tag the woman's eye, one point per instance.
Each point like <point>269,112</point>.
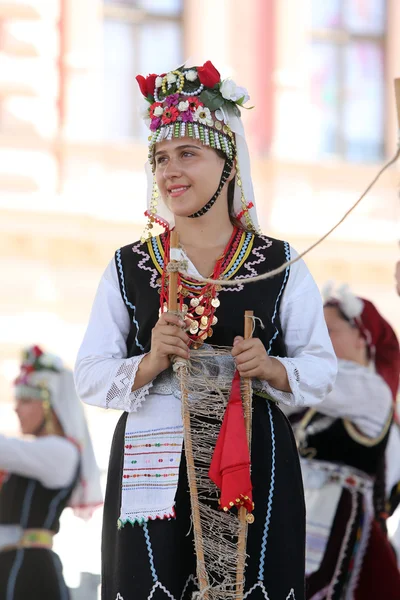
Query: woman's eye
<point>161,160</point>
<point>187,154</point>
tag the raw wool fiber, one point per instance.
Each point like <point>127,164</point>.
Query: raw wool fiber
<point>206,382</point>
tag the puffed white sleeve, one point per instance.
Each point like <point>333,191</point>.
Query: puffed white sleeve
<point>52,460</point>
<point>360,395</point>
<point>310,363</point>
<point>104,376</point>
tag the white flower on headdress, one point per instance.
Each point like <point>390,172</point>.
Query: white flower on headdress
<point>145,110</point>
<point>349,303</point>
<point>171,77</point>
<point>191,75</point>
<point>202,115</point>
<point>231,91</point>
<point>183,106</point>
<point>221,116</point>
<point>51,361</point>
<point>159,82</point>
<point>158,111</point>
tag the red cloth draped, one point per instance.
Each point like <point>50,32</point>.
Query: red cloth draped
<point>230,465</point>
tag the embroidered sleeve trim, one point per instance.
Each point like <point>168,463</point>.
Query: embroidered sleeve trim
<point>120,395</point>
<point>295,397</point>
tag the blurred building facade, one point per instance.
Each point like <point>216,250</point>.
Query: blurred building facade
<point>72,146</point>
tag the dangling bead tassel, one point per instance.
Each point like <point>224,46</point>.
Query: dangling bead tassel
<point>151,212</point>
<point>245,209</point>
<point>48,417</point>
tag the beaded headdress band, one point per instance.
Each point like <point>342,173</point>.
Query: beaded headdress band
<point>193,102</point>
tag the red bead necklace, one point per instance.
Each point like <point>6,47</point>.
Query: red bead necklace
<point>197,302</point>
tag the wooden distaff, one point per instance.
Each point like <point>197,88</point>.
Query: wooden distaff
<point>244,516</point>
<point>198,534</point>
<point>397,94</point>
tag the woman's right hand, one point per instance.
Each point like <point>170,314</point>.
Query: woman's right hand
<point>168,339</point>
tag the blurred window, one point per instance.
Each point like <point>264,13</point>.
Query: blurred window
<point>140,36</point>
<point>347,63</point>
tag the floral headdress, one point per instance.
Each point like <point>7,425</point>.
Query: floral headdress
<point>35,360</point>
<point>194,102</point>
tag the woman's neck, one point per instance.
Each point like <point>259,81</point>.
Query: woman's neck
<point>209,231</point>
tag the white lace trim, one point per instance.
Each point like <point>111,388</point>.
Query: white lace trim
<point>120,395</point>
<point>293,398</point>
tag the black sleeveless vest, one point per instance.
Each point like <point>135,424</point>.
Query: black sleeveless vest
<point>26,502</point>
<point>139,267</point>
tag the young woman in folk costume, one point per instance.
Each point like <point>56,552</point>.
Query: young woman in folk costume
<point>53,468</point>
<point>199,181</point>
<point>343,447</point>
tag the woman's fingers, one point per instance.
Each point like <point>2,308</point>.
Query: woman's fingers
<point>247,356</point>
<point>170,319</point>
<point>247,366</point>
<point>173,349</point>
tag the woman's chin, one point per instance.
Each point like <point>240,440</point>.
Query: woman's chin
<point>184,209</point>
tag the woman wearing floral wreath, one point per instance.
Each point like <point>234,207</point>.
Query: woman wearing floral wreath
<point>51,468</point>
<point>200,183</point>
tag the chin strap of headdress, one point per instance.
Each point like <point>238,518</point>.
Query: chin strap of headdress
<point>227,170</point>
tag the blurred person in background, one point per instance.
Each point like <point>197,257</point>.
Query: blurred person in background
<point>350,452</point>
<point>199,178</point>
<point>51,467</point>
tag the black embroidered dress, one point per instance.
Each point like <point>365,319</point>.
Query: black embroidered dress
<point>153,558</point>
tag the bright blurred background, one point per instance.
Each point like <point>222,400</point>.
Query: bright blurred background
<point>72,148</point>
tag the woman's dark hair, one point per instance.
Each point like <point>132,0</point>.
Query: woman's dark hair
<point>342,315</point>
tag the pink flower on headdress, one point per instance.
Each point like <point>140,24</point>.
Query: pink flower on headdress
<point>170,115</point>
<point>187,116</point>
<point>155,124</point>
<point>172,100</point>
<point>194,103</point>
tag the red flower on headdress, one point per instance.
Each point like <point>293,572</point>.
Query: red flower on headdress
<point>208,74</point>
<point>170,115</point>
<point>194,103</point>
<point>147,84</point>
<point>153,108</point>
<point>37,351</point>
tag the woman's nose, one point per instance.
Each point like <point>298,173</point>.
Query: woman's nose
<point>172,169</point>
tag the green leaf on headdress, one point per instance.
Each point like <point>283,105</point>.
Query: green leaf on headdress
<point>235,108</point>
<point>212,99</point>
<point>191,86</point>
<point>240,103</point>
<point>150,99</point>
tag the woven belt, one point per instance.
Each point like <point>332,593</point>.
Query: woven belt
<point>32,538</point>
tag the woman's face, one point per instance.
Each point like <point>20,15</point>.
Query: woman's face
<point>187,174</point>
<point>347,341</point>
<point>30,414</point>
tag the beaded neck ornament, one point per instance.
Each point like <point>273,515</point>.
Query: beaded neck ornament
<point>194,102</point>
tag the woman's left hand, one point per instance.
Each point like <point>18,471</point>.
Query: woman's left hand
<point>252,359</point>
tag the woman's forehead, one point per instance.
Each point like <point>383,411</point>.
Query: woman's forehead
<point>177,143</point>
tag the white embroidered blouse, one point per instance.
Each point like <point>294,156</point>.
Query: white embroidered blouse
<point>104,376</point>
